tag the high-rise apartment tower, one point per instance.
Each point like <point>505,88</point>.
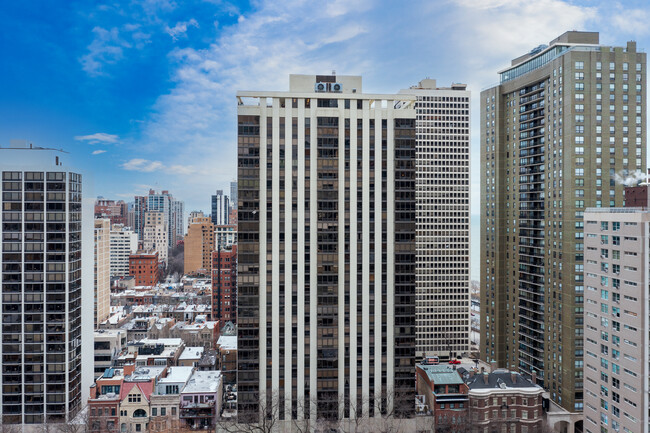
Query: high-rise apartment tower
<point>442,304</point>
<point>326,254</point>
<point>220,208</point>
<point>47,281</point>
<point>564,121</point>
<point>617,329</point>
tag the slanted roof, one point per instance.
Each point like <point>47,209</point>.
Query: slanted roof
<point>146,388</point>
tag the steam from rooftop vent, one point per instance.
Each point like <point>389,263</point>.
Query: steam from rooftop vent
<point>630,179</point>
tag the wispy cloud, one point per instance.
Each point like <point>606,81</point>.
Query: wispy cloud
<point>107,47</point>
<point>148,166</point>
<point>142,165</point>
<point>98,152</point>
<point>180,29</point>
<point>98,137</point>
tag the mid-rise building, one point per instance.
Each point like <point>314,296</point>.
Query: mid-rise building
<point>144,266</point>
<point>442,312</point>
<point>156,234</point>
<point>326,250</point>
<point>224,284</point>
<point>617,330</point>
<point>225,236</point>
<point>115,211</point>
<point>220,208</point>
<point>199,244</point>
<point>233,195</point>
<point>563,122</point>
<point>123,243</point>
<point>102,270</point>
<point>47,265</point>
<point>139,208</point>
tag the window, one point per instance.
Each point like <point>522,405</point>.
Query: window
<point>154,411</point>
<point>580,65</point>
<point>163,411</point>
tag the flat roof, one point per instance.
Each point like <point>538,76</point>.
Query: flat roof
<point>203,382</point>
<point>177,375</point>
<point>228,342</point>
<point>442,374</point>
<point>191,353</point>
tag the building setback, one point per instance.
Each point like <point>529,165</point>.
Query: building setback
<point>47,264</point>
<point>563,122</point>
<point>442,304</point>
<point>326,250</point>
<point>617,330</point>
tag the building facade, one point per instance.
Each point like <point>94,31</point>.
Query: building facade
<point>220,208</point>
<point>123,243</point>
<point>224,284</point>
<point>616,319</point>
<point>442,219</point>
<point>199,244</point>
<point>564,121</point>
<point>144,266</point>
<point>139,208</point>
<point>46,282</point>
<point>326,251</point>
<point>115,211</point>
<point>233,195</point>
<point>102,270</point>
<point>156,232</point>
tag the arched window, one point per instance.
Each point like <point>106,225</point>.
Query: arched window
<point>139,413</point>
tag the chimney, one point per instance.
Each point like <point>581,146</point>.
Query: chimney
<point>513,377</point>
<point>534,377</point>
<point>493,366</point>
<point>93,391</point>
<point>129,369</point>
<point>471,372</point>
<point>486,378</point>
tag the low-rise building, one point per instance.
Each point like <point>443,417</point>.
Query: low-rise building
<point>504,400</point>
<point>108,345</point>
<point>200,403</point>
<point>165,400</point>
<point>445,395</point>
<point>227,346</point>
<point>191,356</point>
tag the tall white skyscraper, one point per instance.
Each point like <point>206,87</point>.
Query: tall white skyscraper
<point>47,281</point>
<point>326,282</point>
<point>220,208</point>
<point>442,305</point>
<point>233,195</point>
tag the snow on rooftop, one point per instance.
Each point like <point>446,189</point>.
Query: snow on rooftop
<point>227,342</point>
<point>177,375</point>
<point>203,382</point>
<point>191,353</point>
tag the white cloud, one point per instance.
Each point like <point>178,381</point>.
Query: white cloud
<point>142,165</point>
<point>107,47</point>
<point>180,29</point>
<point>98,152</point>
<point>99,137</point>
<point>632,21</point>
<point>148,166</point>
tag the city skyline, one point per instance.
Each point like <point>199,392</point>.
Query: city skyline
<point>163,75</point>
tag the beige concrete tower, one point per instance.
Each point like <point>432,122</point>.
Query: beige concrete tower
<point>102,270</point>
<point>564,121</point>
<point>199,244</point>
<point>156,234</point>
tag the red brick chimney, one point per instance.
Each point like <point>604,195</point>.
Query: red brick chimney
<point>93,391</point>
<point>129,369</point>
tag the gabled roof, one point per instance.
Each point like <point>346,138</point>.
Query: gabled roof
<point>145,388</point>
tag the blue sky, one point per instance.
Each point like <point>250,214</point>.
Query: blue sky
<point>141,93</point>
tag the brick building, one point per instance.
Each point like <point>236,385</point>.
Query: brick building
<point>145,268</point>
<point>116,211</point>
<point>224,284</point>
